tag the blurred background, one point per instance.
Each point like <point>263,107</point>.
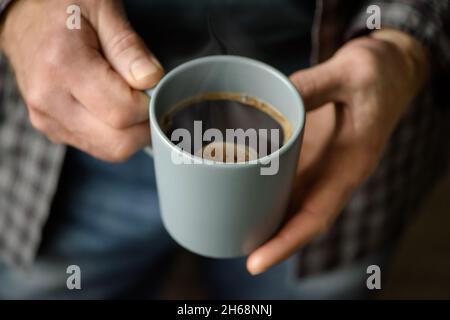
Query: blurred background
<point>421,264</point>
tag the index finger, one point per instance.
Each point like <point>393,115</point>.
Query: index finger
<point>105,94</point>
<point>319,84</point>
<point>319,209</point>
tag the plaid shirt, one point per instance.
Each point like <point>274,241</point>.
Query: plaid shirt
<point>415,158</point>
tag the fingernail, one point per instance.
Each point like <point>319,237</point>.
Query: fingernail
<point>254,266</point>
<point>254,273</point>
<point>143,68</point>
<point>156,62</point>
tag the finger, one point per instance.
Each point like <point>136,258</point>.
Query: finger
<point>89,134</point>
<point>124,49</point>
<point>106,143</point>
<point>318,85</point>
<point>319,133</point>
<point>48,126</point>
<point>319,208</point>
<point>104,92</point>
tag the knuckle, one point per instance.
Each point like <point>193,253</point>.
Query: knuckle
<point>55,139</point>
<point>320,222</point>
<point>35,99</point>
<point>39,122</point>
<point>123,41</point>
<point>364,65</point>
<point>119,119</point>
<point>55,55</point>
<point>122,150</point>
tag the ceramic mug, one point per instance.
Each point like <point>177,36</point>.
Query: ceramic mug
<point>224,210</point>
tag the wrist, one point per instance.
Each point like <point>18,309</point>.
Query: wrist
<point>412,51</point>
<point>4,9</point>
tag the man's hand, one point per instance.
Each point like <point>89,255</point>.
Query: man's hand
<point>82,87</point>
<point>355,101</point>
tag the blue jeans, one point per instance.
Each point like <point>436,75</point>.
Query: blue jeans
<point>105,219</point>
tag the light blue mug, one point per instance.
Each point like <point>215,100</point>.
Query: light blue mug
<point>224,210</point>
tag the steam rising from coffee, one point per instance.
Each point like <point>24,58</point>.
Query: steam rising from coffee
<point>229,32</point>
<point>214,37</point>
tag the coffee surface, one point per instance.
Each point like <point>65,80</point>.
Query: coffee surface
<point>224,111</point>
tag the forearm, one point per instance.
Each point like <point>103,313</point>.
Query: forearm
<point>427,21</point>
<point>4,4</point>
<point>416,55</point>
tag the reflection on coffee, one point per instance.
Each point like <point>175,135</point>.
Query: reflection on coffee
<point>227,152</point>
<point>235,127</point>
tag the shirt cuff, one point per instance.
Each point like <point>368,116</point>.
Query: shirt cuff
<point>427,21</point>
<point>3,5</point>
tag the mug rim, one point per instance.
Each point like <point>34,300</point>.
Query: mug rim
<point>230,58</point>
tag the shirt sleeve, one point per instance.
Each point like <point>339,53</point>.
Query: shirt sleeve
<point>426,20</point>
<point>3,5</point>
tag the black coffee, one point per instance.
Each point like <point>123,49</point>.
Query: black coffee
<point>245,128</point>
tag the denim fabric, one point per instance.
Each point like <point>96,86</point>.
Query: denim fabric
<point>106,221</point>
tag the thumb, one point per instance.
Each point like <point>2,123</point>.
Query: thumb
<point>124,49</point>
<point>319,85</point>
